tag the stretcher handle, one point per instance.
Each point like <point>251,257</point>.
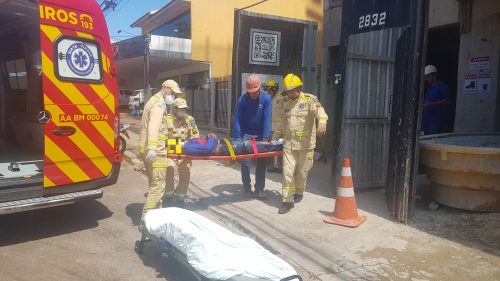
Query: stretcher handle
<point>254,147</point>
<point>293,277</point>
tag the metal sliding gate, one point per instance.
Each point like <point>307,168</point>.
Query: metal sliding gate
<point>377,112</point>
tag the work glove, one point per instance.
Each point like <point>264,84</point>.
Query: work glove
<point>151,156</point>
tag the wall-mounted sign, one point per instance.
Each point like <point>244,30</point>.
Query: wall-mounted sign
<point>360,16</point>
<point>480,63</point>
<point>470,83</point>
<point>264,47</point>
<point>484,83</point>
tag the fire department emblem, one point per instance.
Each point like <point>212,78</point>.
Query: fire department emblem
<point>80,59</point>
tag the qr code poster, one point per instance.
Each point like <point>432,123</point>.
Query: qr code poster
<point>265,47</point>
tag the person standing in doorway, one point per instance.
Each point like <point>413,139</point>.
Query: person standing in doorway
<point>436,102</point>
<point>253,120</point>
<point>303,119</point>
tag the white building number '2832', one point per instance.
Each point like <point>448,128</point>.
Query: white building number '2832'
<point>372,20</point>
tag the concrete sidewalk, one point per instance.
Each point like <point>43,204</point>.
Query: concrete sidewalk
<point>447,244</point>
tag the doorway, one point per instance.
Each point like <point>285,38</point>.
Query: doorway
<point>443,46</point>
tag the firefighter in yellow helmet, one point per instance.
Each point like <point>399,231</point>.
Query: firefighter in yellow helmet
<point>303,119</point>
<point>152,142</point>
<point>180,127</point>
<point>272,88</point>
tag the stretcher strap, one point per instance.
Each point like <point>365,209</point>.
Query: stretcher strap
<point>254,147</point>
<point>230,148</point>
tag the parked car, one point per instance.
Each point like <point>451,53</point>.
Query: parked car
<point>136,100</point>
<point>125,97</point>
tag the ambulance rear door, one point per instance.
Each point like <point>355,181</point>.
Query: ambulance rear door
<point>79,95</point>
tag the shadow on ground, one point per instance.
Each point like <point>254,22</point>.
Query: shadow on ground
<point>233,193</point>
<point>44,223</point>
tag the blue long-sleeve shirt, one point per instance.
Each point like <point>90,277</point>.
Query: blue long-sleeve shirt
<point>253,117</point>
<point>201,147</point>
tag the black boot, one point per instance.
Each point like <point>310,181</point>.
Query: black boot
<point>285,207</point>
<point>297,197</point>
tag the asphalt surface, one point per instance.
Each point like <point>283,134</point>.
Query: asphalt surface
<point>91,240</point>
<point>94,240</point>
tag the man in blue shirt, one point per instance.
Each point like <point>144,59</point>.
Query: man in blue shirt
<point>252,120</point>
<point>436,101</point>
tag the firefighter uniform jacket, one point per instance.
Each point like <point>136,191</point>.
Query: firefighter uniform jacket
<point>300,117</point>
<point>152,125</point>
<point>277,112</point>
<point>179,130</point>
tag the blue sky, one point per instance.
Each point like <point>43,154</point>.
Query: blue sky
<point>126,13</point>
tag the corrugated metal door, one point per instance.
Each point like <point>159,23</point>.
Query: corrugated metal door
<point>369,80</point>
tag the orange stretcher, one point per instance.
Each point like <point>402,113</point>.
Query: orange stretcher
<point>231,156</point>
<point>226,157</point>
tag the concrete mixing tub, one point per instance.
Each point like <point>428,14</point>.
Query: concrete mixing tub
<point>464,169</point>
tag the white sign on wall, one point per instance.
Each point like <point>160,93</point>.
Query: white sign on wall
<point>484,83</point>
<point>480,63</point>
<point>470,83</point>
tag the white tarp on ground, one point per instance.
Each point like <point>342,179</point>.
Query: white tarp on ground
<point>212,250</point>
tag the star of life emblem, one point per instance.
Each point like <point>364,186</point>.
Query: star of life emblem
<point>80,59</point>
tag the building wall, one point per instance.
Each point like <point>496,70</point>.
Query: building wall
<point>442,12</point>
<point>480,112</point>
<point>213,25</point>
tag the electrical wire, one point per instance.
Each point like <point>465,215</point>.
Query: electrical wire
<point>121,7</point>
<point>250,6</point>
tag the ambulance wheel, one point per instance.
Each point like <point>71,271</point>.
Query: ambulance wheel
<point>138,247</point>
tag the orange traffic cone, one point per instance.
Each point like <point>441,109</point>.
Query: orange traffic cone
<point>346,210</point>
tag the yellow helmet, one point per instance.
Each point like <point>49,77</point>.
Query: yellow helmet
<point>291,81</point>
<point>271,83</point>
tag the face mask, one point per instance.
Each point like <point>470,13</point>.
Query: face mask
<point>169,99</point>
<point>180,113</point>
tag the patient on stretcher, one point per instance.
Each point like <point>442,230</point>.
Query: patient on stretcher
<point>211,145</point>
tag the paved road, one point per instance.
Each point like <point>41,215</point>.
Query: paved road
<point>91,240</point>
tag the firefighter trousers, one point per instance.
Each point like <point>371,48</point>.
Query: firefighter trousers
<point>184,170</point>
<point>296,166</point>
<point>156,172</point>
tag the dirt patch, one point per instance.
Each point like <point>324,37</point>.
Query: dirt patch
<point>429,261</point>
